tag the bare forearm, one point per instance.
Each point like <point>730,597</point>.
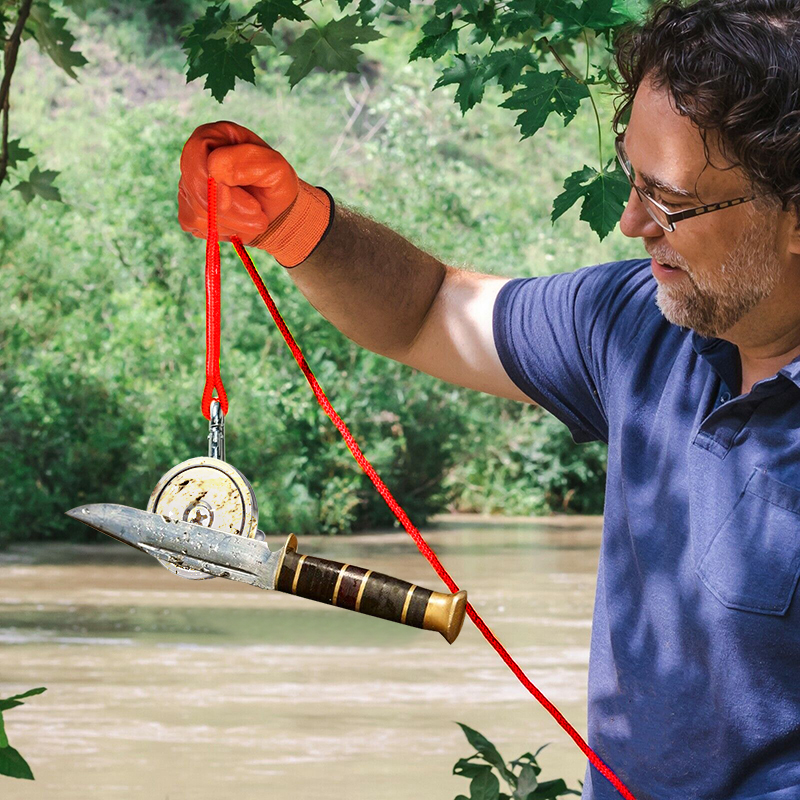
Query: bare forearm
<point>371,283</point>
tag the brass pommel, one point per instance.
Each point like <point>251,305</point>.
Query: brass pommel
<point>445,613</point>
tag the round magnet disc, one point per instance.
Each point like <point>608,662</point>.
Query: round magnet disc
<point>208,492</point>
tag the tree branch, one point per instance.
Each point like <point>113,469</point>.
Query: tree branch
<point>560,60</point>
<point>9,62</point>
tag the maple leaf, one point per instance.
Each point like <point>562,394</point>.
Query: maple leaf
<point>575,18</point>
<point>438,39</point>
<point>53,38</point>
<point>368,10</point>
<point>521,16</point>
<point>268,12</point>
<point>507,65</point>
<point>598,15</point>
<point>17,153</point>
<point>444,6</point>
<point>329,47</point>
<point>545,93</point>
<point>223,62</point>
<point>201,29</point>
<point>487,23</point>
<point>604,197</point>
<point>41,184</point>
<point>629,10</point>
<point>468,73</point>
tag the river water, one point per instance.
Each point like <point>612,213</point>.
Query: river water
<point>164,688</point>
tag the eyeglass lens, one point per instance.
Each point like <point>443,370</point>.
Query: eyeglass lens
<point>653,210</point>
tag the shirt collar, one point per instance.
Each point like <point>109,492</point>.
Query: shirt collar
<point>723,356</point>
<point>792,371</point>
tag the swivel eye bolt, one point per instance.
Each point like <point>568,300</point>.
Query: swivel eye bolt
<point>216,431</point>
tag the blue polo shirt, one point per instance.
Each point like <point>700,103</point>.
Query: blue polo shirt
<point>694,675</point>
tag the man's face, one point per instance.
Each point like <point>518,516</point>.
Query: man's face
<point>724,263</point>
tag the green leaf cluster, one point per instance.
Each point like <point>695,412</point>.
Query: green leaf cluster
<point>224,48</point>
<point>603,193</point>
<point>529,465</point>
<point>528,49</point>
<point>215,48</point>
<point>11,762</point>
<point>53,38</point>
<point>520,775</point>
<point>329,47</point>
<point>56,41</point>
<point>39,183</point>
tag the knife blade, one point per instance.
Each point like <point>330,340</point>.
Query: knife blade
<point>224,555</point>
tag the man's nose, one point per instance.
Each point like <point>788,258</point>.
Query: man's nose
<point>636,222</point>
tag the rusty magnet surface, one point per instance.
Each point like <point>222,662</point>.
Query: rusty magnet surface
<point>209,492</point>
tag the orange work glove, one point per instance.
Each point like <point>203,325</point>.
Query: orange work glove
<point>260,199</point>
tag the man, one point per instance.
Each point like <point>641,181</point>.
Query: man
<point>687,364</point>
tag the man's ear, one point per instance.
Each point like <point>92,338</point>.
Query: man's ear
<point>794,234</point>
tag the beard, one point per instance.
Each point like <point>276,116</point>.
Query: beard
<point>712,304</point>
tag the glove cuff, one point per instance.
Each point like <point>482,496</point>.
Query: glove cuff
<point>293,236</point>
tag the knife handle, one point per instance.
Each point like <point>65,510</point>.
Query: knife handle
<point>368,592</point>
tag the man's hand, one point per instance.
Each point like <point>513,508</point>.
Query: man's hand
<point>260,199</point>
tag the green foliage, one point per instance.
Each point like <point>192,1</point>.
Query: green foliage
<point>223,48</point>
<point>604,196</point>
<point>548,33</point>
<point>17,153</point>
<point>103,324</point>
<point>223,62</point>
<point>467,75</point>
<point>213,50</point>
<point>39,183</point>
<point>544,95</point>
<point>12,763</point>
<point>521,775</point>
<point>268,12</point>
<point>56,41</point>
<point>527,463</point>
<point>53,38</point>
<point>329,47</point>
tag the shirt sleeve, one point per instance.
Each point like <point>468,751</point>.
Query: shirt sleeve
<point>559,337</point>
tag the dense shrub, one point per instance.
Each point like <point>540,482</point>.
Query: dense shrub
<point>103,324</point>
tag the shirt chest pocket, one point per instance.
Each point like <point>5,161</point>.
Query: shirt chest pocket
<point>753,561</point>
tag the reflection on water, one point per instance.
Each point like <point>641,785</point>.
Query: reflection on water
<point>164,688</point>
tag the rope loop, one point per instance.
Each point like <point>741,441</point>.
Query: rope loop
<point>213,314</point>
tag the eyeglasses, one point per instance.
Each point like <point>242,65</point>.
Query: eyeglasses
<point>665,218</point>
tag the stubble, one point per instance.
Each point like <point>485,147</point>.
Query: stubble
<point>712,304</point>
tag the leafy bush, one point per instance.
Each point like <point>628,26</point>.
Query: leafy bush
<point>521,775</point>
<point>103,324</point>
<point>11,762</point>
<point>527,463</point>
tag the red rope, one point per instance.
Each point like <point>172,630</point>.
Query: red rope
<point>422,545</point>
<point>213,378</point>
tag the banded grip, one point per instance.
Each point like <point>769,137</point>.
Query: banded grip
<point>373,593</point>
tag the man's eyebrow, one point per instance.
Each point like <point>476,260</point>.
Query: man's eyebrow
<point>657,183</point>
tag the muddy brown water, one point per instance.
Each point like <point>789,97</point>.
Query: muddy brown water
<point>164,688</point>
